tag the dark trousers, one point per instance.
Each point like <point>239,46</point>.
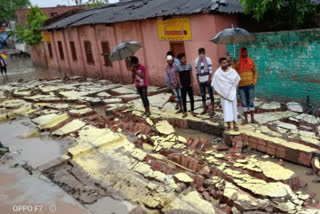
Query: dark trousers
<point>3,69</point>
<point>143,92</point>
<point>184,91</point>
<point>203,87</point>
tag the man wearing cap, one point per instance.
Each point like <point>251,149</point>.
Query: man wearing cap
<point>171,73</point>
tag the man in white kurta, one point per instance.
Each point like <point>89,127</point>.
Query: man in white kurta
<point>225,82</point>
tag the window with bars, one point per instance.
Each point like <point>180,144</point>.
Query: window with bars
<point>73,51</point>
<point>106,53</point>
<point>60,48</point>
<point>88,50</point>
<point>50,50</point>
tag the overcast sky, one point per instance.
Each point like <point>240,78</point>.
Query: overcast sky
<point>52,3</point>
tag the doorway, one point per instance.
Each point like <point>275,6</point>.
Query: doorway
<point>177,47</point>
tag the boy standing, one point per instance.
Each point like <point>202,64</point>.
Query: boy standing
<point>171,70</point>
<point>225,82</point>
<point>203,65</point>
<point>185,81</point>
<point>139,76</point>
<point>3,66</point>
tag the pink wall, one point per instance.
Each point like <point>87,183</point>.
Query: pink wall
<point>87,33</point>
<point>152,55</point>
<point>64,64</point>
<point>106,33</point>
<point>78,66</point>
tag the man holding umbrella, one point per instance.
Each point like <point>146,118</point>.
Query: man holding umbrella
<point>139,76</point>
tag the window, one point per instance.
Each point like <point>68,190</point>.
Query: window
<point>106,53</point>
<point>50,50</point>
<point>73,51</point>
<point>88,50</point>
<point>60,50</point>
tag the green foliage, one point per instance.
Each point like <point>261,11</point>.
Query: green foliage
<point>97,3</point>
<point>294,13</point>
<point>8,8</point>
<point>32,34</point>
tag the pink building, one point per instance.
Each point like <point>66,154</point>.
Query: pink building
<point>81,43</point>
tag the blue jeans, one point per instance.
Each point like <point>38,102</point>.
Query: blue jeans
<point>247,94</point>
<point>177,93</point>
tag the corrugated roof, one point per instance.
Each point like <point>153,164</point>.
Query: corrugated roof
<point>144,9</point>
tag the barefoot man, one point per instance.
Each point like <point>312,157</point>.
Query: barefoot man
<point>225,82</point>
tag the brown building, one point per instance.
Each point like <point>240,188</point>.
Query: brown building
<point>21,14</point>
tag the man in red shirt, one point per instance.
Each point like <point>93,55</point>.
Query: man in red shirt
<point>139,76</point>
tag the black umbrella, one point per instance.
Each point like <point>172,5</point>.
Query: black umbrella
<point>232,36</point>
<point>124,50</point>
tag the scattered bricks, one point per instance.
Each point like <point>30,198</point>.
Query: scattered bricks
<point>222,148</point>
<point>185,161</point>
<point>195,143</point>
<point>175,158</point>
<point>294,183</point>
<point>182,186</point>
<point>304,158</point>
<point>227,140</point>
<point>166,169</point>
<point>315,163</point>
<point>198,181</point>
<point>193,164</point>
<point>156,165</point>
<point>311,194</point>
<point>245,138</point>
<point>203,140</point>
<point>189,141</point>
<point>271,151</point>
<point>206,196</point>
<point>261,148</point>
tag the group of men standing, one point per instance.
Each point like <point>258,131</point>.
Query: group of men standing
<point>229,78</point>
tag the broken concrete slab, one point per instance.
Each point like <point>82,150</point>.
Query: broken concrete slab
<point>295,107</point>
<point>307,118</point>
<point>70,127</point>
<point>270,106</point>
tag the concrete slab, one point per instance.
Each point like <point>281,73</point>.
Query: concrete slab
<point>113,206</point>
<point>36,194</point>
<point>295,107</point>
<point>308,118</point>
<point>273,116</point>
<point>270,106</point>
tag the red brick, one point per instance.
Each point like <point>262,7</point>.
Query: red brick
<point>281,148</point>
<point>253,145</point>
<point>185,124</point>
<point>198,180</point>
<point>262,142</point>
<point>193,163</point>
<point>253,140</point>
<point>281,154</point>
<point>206,196</point>
<point>303,184</point>
<point>271,151</point>
<point>272,145</point>
<point>175,158</point>
<point>203,140</point>
<point>195,143</point>
<point>304,158</point>
<point>184,161</point>
<point>156,165</point>
<point>166,169</point>
<point>261,148</point>
<point>222,148</point>
<point>280,163</point>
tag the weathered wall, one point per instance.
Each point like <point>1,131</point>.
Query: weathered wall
<point>288,64</point>
<point>152,55</point>
<point>38,55</point>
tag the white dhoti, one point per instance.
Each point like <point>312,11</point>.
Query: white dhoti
<point>230,110</point>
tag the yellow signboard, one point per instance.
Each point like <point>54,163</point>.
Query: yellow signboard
<point>176,29</point>
<point>46,36</point>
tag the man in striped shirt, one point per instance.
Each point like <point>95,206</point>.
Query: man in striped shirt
<point>203,65</point>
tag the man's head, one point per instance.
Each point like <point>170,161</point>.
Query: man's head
<point>135,61</point>
<point>170,53</point>
<point>223,63</point>
<point>170,60</point>
<point>182,58</point>
<point>244,52</point>
<point>229,60</point>
<point>202,51</point>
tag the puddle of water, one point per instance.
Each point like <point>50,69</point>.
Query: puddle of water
<point>197,134</point>
<point>35,151</point>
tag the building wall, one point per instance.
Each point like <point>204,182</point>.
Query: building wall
<point>152,55</point>
<point>64,63</point>
<point>52,62</point>
<point>77,66</point>
<point>21,14</point>
<point>288,64</point>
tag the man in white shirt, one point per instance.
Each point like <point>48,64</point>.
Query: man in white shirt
<point>203,65</point>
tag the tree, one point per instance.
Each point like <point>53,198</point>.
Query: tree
<point>32,34</point>
<point>8,8</point>
<point>293,13</point>
<point>92,3</point>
